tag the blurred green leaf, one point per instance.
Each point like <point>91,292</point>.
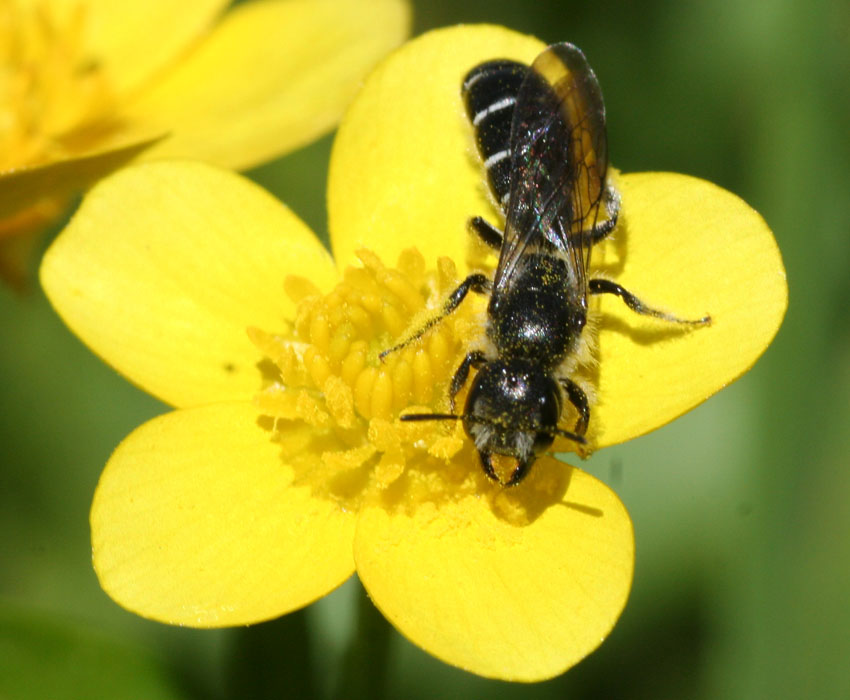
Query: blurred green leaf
<point>44,658</point>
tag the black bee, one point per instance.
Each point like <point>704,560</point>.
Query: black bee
<point>540,130</point>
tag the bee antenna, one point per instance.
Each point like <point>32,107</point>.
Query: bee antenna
<point>429,416</point>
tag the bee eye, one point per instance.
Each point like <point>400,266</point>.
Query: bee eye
<point>550,406</point>
<point>549,414</point>
<point>542,442</point>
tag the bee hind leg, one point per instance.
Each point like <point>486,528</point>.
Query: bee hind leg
<point>600,286</point>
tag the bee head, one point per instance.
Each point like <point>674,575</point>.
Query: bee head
<point>512,409</point>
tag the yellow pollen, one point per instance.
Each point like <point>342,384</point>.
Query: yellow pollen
<point>330,376</point>
<point>51,85</point>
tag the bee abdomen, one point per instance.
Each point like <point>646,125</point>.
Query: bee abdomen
<point>489,92</point>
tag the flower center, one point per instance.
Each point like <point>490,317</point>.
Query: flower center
<point>50,84</point>
<point>335,403</point>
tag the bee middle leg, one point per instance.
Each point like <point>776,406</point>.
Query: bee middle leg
<point>476,282</point>
<point>600,286</point>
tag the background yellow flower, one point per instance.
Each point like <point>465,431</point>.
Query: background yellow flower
<point>739,507</point>
<point>209,517</point>
<point>86,86</point>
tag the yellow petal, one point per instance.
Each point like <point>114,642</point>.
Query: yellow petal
<point>513,602</point>
<point>408,146</point>
<point>195,522</point>
<point>165,266</point>
<point>691,248</point>
<point>271,77</point>
<point>23,188</point>
<point>133,41</point>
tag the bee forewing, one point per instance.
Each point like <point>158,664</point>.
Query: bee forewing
<point>559,161</point>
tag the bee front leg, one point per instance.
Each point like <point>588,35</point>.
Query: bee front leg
<point>477,282</point>
<point>475,359</point>
<point>577,398</point>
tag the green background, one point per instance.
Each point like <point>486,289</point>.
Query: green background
<point>741,508</point>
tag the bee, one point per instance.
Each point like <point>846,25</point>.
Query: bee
<point>540,132</point>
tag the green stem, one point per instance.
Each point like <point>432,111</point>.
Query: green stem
<point>271,660</point>
<point>363,672</point>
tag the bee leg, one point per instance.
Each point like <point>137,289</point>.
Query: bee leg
<point>600,231</point>
<point>488,233</point>
<point>477,282</point>
<point>578,399</point>
<point>599,286</point>
<point>487,465</point>
<point>473,359</point>
<point>612,207</point>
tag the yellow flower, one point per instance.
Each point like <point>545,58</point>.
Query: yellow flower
<point>88,85</point>
<point>284,468</point>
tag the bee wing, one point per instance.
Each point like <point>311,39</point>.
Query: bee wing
<point>559,160</point>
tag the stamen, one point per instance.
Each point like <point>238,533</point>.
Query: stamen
<point>329,376</point>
